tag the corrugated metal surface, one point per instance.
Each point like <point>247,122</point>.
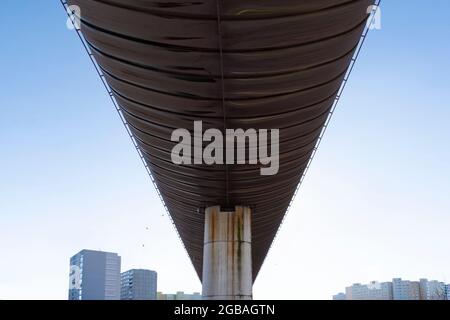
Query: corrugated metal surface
<point>232,64</point>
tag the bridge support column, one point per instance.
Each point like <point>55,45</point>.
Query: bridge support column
<point>227,258</point>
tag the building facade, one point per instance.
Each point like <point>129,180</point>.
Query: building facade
<point>138,284</point>
<point>405,289</point>
<point>371,291</point>
<point>398,289</point>
<point>180,295</point>
<point>433,290</point>
<point>340,296</point>
<point>94,275</point>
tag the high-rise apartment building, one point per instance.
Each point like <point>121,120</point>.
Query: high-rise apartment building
<point>405,289</point>
<point>371,291</point>
<point>138,284</point>
<point>94,275</point>
<point>432,290</point>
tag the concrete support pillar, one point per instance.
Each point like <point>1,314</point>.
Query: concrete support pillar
<point>227,254</point>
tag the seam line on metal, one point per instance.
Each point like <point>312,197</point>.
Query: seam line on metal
<point>224,111</point>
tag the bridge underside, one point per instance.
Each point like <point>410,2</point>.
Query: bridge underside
<point>232,64</point>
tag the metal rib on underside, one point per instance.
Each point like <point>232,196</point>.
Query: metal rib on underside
<point>266,63</point>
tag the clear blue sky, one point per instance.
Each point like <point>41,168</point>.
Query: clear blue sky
<point>375,204</point>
